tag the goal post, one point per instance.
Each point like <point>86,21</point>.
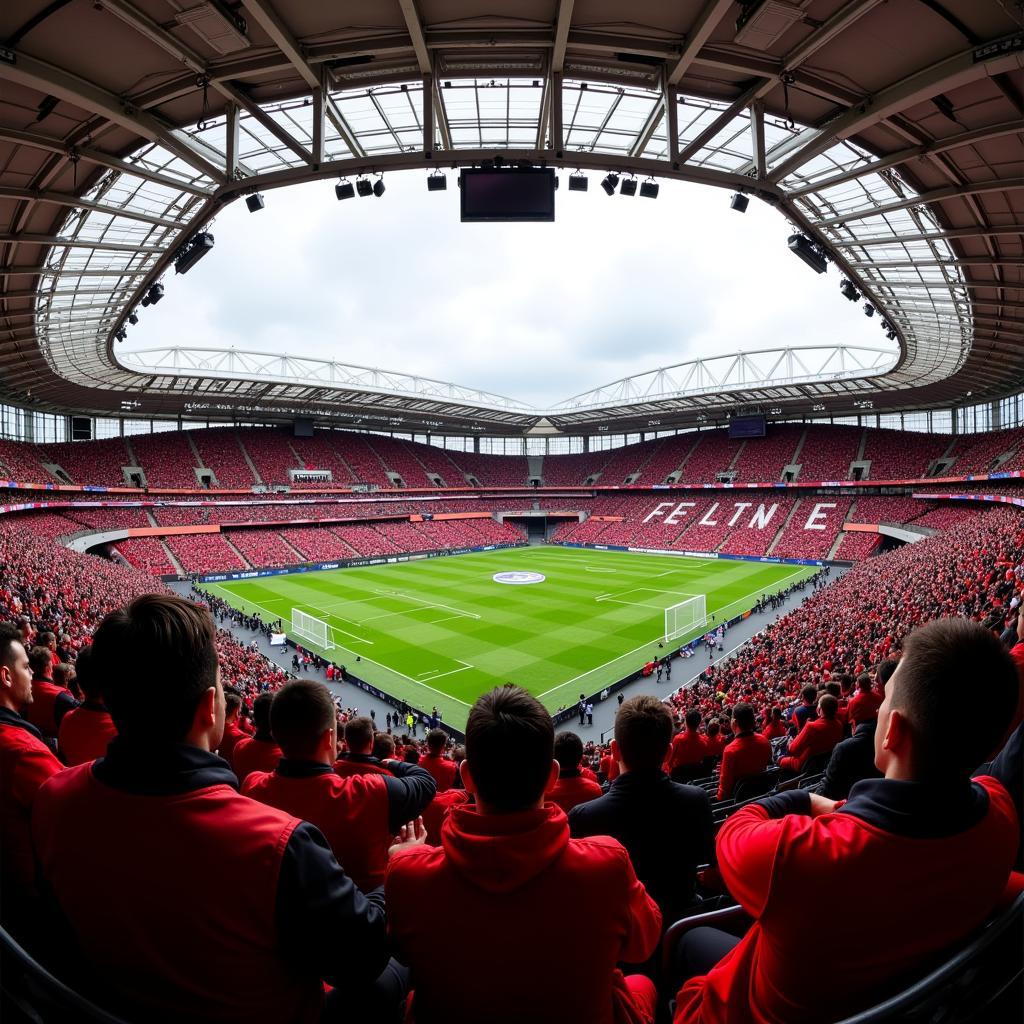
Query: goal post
<point>686,615</point>
<point>316,631</point>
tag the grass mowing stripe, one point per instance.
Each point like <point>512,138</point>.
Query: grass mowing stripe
<point>442,631</point>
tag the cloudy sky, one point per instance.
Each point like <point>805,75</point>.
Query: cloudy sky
<point>539,312</point>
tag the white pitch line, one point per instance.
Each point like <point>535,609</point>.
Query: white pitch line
<point>427,604</point>
<point>646,646</point>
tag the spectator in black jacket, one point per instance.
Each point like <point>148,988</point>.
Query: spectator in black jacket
<point>201,904</point>
<point>665,826</point>
<point>851,761</point>
<point>1008,768</point>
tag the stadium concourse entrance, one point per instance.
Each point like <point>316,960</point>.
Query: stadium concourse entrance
<point>538,523</point>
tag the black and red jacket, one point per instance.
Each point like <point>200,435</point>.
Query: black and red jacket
<point>193,902</point>
<point>360,764</point>
<point>925,866</point>
<point>358,815</point>
<point>50,703</point>
<point>572,787</point>
<point>233,734</point>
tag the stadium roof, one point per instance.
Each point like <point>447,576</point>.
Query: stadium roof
<point>888,132</point>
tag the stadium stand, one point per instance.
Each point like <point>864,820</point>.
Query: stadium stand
<point>45,524</point>
<point>713,454</point>
<point>98,462</point>
<point>263,549</point>
<point>166,458</point>
<point>888,510</point>
<point>221,453</point>
<point>977,453</point>
<point>319,452</point>
<point>855,547</point>
<point>317,545</point>
<point>270,453</point>
<point>902,455</point>
<point>812,529</point>
<point>205,552</point>
<point>572,470</point>
<point>148,554</point>
<point>828,452</point>
<point>762,460</point>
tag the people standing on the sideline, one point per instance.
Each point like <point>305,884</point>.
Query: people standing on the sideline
<point>582,707</point>
<point>590,713</point>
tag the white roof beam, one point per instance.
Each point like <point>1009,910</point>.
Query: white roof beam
<point>419,41</point>
<point>706,23</point>
<point>66,199</point>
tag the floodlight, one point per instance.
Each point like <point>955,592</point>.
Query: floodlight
<point>739,202</point>
<point>436,182</point>
<point>609,183</point>
<point>378,187</point>
<point>121,334</point>
<point>364,188</point>
<point>344,190</point>
<point>649,189</point>
<point>628,187</point>
<point>190,254</point>
<point>133,318</point>
<point>155,293</point>
<point>869,310</point>
<point>849,289</point>
<point>808,252</point>
<point>254,202</point>
<point>578,183</point>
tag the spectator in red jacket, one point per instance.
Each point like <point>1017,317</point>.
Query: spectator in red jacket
<point>864,704</point>
<point>807,709</point>
<point>571,787</point>
<point>715,738</point>
<point>86,731</point>
<point>440,767</point>
<point>190,901</point>
<point>748,754</point>
<point>507,868</point>
<point>818,736</point>
<point>233,731</point>
<point>50,703</point>
<point>26,762</point>
<point>259,752</point>
<point>688,751</point>
<point>774,726</point>
<point>358,815</point>
<point>925,830</point>
<point>359,759</point>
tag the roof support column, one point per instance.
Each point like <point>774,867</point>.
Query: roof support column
<point>320,117</point>
<point>757,138</point>
<point>557,139</point>
<point>672,123</point>
<point>231,111</point>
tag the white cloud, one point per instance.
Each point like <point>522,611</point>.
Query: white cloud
<point>540,312</point>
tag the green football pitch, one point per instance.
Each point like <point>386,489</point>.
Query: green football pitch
<point>440,631</point>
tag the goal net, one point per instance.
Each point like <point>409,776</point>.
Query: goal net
<point>685,616</point>
<point>316,631</point>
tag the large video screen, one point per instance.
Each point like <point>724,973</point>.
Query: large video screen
<point>747,426</point>
<point>508,195</point>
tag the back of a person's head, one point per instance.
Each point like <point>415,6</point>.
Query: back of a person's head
<point>232,700</point>
<point>692,719</point>
<point>154,660</point>
<point>85,674</point>
<point>300,713</point>
<point>359,735</point>
<point>844,680</point>
<point>809,693</point>
<point>885,669</point>
<point>864,682</point>
<point>436,739</point>
<point>833,688</point>
<point>46,638</point>
<point>775,714</point>
<point>383,746</point>
<point>261,712</point>
<point>743,716</point>
<point>643,732</point>
<point>39,660</point>
<point>946,664</point>
<point>714,727</point>
<point>828,706</point>
<point>568,750</point>
<point>63,673</point>
<point>509,748</point>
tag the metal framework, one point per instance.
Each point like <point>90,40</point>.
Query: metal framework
<point>909,176</point>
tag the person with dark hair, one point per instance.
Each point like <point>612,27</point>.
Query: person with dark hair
<point>506,867</point>
<point>665,826</point>
<point>864,704</point>
<point>571,787</point>
<point>190,901</point>
<point>383,750</point>
<point>233,731</point>
<point>901,843</point>
<point>440,767</point>
<point>689,749</point>
<point>358,815</point>
<point>774,726</point>
<point>26,762</point>
<point>360,757</point>
<point>748,754</point>
<point>807,709</point>
<point>818,736</point>
<point>50,702</point>
<point>86,730</point>
<point>259,752</point>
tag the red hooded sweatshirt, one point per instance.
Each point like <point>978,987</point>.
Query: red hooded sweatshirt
<point>506,876</point>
